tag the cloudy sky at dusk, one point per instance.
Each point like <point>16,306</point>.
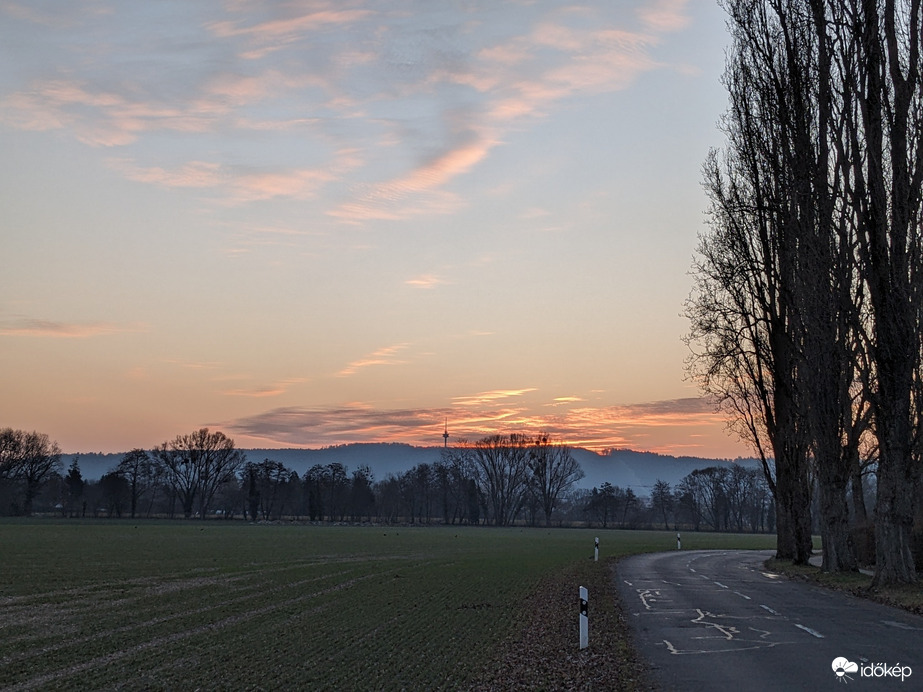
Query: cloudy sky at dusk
<point>310,223</point>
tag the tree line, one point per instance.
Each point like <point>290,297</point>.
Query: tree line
<point>498,480</point>
<point>807,309</point>
<point>493,480</point>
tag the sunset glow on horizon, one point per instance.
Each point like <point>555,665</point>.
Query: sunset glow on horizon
<point>315,223</point>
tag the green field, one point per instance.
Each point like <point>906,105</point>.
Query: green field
<point>213,605</point>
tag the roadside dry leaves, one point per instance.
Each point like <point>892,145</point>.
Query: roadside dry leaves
<point>544,654</point>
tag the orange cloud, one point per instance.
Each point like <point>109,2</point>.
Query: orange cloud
<point>679,426</point>
<point>62,330</point>
<point>564,400</point>
<point>195,365</point>
<point>491,396</point>
<point>425,281</point>
<point>256,393</point>
<point>383,356</point>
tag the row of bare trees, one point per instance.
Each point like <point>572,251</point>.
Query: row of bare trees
<point>190,469</point>
<point>717,498</point>
<point>495,480</point>
<point>807,311</point>
<point>722,498</point>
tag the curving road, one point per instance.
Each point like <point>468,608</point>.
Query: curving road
<point>707,620</point>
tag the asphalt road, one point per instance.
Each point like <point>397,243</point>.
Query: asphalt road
<point>712,620</point>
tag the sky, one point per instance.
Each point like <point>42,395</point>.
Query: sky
<point>314,223</point>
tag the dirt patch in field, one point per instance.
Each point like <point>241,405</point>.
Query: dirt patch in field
<point>544,654</point>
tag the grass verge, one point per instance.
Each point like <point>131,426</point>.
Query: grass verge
<point>908,597</point>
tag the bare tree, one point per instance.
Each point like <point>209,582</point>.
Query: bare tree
<point>553,471</point>
<point>457,488</point>
<point>742,306</point>
<point>75,485</point>
<point>881,46</point>
<point>114,490</point>
<point>28,459</point>
<point>361,496</point>
<point>313,485</point>
<point>603,502</point>
<point>266,485</point>
<point>502,466</point>
<point>778,341</point>
<point>828,295</point>
<point>137,468</point>
<point>197,465</point>
<point>662,501</point>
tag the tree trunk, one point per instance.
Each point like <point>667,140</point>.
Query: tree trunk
<point>894,510</point>
<point>858,492</point>
<point>785,542</point>
<point>838,551</point>
<point>793,510</point>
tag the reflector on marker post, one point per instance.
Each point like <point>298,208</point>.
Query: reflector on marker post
<point>596,551</point>
<point>584,618</point>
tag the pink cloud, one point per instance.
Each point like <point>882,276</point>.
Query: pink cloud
<point>445,167</point>
<point>556,61</point>
<point>665,15</point>
<point>31,14</point>
<point>96,117</point>
<point>418,191</point>
<point>371,207</point>
<point>236,186</point>
<point>295,184</point>
<point>192,174</point>
<point>268,37</point>
<point>553,55</point>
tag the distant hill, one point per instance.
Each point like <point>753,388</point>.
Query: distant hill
<point>621,467</point>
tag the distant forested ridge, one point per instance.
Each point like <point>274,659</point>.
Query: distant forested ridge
<point>622,467</point>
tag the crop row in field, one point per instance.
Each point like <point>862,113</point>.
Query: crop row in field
<point>214,605</point>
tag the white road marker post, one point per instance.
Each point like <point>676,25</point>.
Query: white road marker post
<point>584,619</point>
<point>596,551</point>
<point>679,543</point>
